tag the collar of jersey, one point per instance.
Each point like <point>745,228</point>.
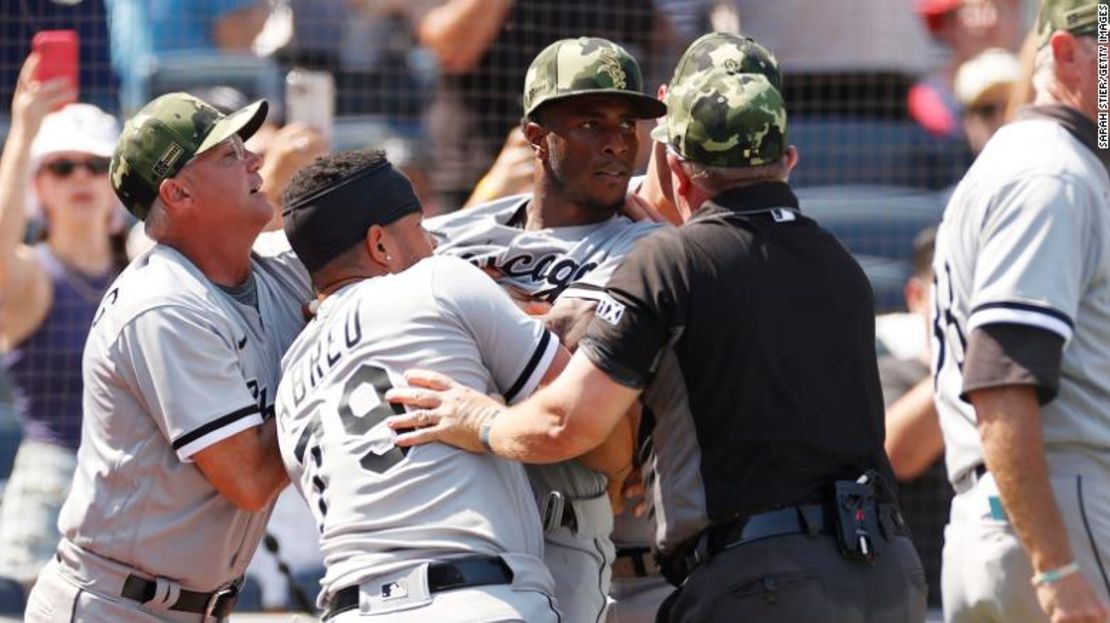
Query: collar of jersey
<point>758,198</point>
<point>1083,129</point>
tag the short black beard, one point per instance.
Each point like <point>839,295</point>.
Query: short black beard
<point>589,205</point>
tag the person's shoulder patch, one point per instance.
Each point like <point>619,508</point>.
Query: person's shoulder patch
<point>610,311</point>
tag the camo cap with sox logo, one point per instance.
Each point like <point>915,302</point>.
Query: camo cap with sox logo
<point>166,134</point>
<point>587,66</point>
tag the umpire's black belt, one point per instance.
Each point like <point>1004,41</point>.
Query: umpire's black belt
<point>442,576</point>
<point>811,519</point>
<point>217,603</point>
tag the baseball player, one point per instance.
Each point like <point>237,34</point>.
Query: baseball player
<point>638,588</point>
<point>437,534</point>
<point>1021,324</point>
<point>582,98</point>
<point>179,459</point>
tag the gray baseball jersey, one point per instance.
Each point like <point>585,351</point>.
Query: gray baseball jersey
<point>574,261</point>
<point>172,366</point>
<point>547,263</point>
<point>381,509</point>
<point>1024,241</point>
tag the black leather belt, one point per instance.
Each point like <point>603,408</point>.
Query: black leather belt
<point>442,576</point>
<point>217,603</point>
<point>801,519</point>
<point>811,519</point>
<point>634,562</point>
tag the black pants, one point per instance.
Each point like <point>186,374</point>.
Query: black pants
<point>802,579</point>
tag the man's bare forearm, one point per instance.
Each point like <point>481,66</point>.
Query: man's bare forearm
<point>1013,446</point>
<point>460,31</point>
<point>913,435</point>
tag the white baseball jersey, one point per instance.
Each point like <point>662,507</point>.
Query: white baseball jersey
<point>172,366</point>
<point>1025,239</point>
<point>381,509</point>
<point>574,262</point>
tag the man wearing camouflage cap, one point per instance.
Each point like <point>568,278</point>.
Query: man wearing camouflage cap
<point>1022,347</point>
<point>749,333</point>
<point>638,587</point>
<point>556,247</point>
<point>729,52</point>
<point>179,461</point>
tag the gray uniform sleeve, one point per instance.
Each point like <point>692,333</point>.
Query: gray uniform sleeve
<point>1033,257</point>
<point>187,375</point>
<point>516,349</point>
<point>591,286</point>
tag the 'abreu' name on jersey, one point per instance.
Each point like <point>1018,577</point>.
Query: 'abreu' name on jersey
<point>381,509</point>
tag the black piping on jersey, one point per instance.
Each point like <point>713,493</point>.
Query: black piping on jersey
<point>76,600</point>
<point>526,373</point>
<point>551,604</point>
<point>601,579</point>
<point>1090,534</point>
<point>1047,311</point>
<point>216,424</point>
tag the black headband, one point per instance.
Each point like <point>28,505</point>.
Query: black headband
<point>324,224</point>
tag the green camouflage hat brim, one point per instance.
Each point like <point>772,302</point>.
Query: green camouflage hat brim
<point>722,119</point>
<point>643,106</point>
<point>587,66</point>
<point>1079,17</point>
<point>244,122</point>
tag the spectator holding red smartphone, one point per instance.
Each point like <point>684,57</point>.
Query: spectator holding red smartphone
<point>49,292</point>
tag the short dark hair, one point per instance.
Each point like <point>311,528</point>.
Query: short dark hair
<point>327,170</point>
<point>923,244</point>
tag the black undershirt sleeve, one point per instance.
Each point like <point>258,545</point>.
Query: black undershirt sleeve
<point>646,292</point>
<point>1013,354</point>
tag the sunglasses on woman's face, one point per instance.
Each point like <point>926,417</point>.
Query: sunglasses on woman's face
<point>64,167</point>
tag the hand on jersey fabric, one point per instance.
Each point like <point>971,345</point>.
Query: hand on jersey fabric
<point>441,411</point>
<point>638,208</point>
<point>523,300</point>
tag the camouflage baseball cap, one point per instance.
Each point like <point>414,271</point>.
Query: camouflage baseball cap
<point>725,119</point>
<point>587,66</point>
<point>733,53</point>
<point>727,52</point>
<point>164,135</point>
<point>1079,17</point>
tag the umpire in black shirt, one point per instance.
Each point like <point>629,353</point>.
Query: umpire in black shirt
<point>749,331</point>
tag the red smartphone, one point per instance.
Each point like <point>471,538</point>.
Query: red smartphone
<point>57,55</point>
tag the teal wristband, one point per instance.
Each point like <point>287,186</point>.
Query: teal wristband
<point>483,435</point>
<point>1053,576</point>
